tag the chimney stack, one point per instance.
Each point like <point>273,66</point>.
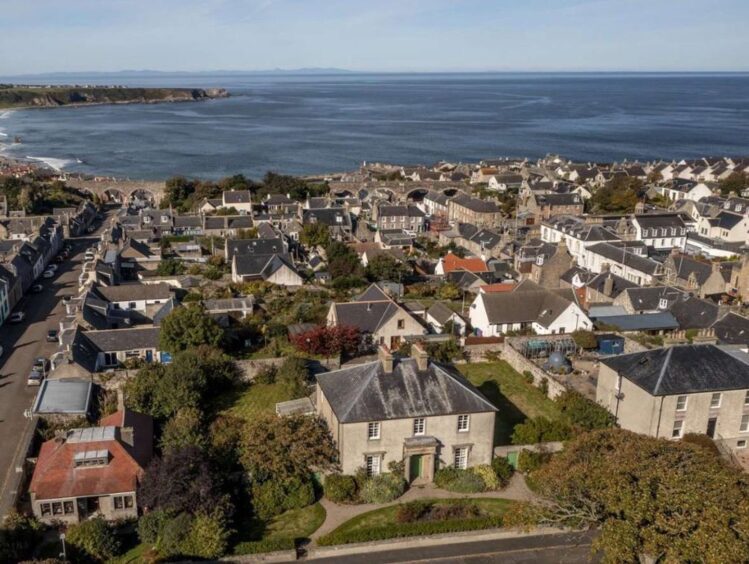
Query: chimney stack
<point>419,353</point>
<point>386,358</point>
<point>608,286</point>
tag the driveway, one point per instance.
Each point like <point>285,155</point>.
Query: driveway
<point>22,343</point>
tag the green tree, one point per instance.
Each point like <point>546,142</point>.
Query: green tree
<point>582,412</point>
<point>386,267</point>
<point>449,291</point>
<point>188,327</point>
<point>292,376</point>
<point>343,262</point>
<point>93,539</point>
<point>170,267</point>
<point>184,429</point>
<point>19,535</point>
<point>585,339</point>
<point>662,500</point>
<point>315,234</point>
<point>208,538</point>
<point>282,448</point>
<point>735,183</point>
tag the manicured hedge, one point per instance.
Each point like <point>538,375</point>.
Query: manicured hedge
<point>400,530</point>
<point>268,545</point>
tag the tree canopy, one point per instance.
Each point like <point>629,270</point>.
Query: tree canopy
<point>283,448</point>
<point>620,195</point>
<point>665,500</point>
<point>188,327</point>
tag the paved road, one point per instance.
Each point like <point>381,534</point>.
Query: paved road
<point>541,549</point>
<point>22,343</point>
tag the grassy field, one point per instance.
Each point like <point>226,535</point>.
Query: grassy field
<point>506,388</point>
<point>296,524</point>
<point>250,400</point>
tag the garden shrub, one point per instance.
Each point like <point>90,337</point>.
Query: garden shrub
<point>457,480</point>
<point>503,470</point>
<point>383,488</point>
<point>543,385</point>
<point>93,540</point>
<point>529,460</point>
<point>19,535</point>
<point>208,537</point>
<point>412,511</point>
<point>299,493</point>
<point>583,412</point>
<point>702,441</point>
<point>267,545</point>
<point>340,488</point>
<point>448,511</point>
<point>150,526</point>
<point>487,475</point>
<point>541,430</point>
<point>174,535</point>
<point>266,375</point>
<point>528,376</point>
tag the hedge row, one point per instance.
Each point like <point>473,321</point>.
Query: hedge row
<point>268,545</point>
<point>398,530</point>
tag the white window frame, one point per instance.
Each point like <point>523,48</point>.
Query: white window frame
<point>712,400</point>
<point>686,403</point>
<point>373,430</point>
<point>107,358</point>
<point>744,425</point>
<point>419,426</point>
<point>746,398</point>
<point>741,443</point>
<point>373,464</point>
<point>460,458</point>
<point>678,429</point>
<point>464,423</point>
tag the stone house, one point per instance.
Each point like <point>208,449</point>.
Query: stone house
<point>481,213</point>
<point>672,391</point>
<point>438,420</point>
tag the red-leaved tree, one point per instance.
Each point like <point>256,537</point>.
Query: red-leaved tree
<point>328,341</point>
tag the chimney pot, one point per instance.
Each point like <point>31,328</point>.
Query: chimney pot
<point>386,358</point>
<point>419,353</point>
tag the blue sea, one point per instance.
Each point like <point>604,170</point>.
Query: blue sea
<point>309,124</point>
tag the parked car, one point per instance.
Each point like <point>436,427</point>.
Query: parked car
<point>41,364</point>
<point>35,378</point>
<point>48,274</point>
<point>36,288</point>
<point>17,317</point>
<point>52,335</point>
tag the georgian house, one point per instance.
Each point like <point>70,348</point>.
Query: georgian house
<point>481,213</point>
<point>407,218</point>
<point>93,471</point>
<point>439,419</point>
<point>661,231</point>
<point>672,391</point>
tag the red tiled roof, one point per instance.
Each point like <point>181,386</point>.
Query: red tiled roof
<point>453,262</point>
<point>55,475</point>
<point>499,287</point>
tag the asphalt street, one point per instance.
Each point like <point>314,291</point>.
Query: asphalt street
<point>541,549</point>
<point>22,343</point>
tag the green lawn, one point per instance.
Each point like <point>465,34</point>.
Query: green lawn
<point>281,532</point>
<point>515,398</point>
<point>250,400</point>
<point>381,523</point>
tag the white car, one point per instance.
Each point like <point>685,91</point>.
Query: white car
<point>48,274</point>
<point>17,317</point>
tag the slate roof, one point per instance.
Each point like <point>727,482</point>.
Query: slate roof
<point>683,369</point>
<point>647,299</point>
<point>527,303</point>
<point>732,329</point>
<point>475,204</point>
<point>374,293</point>
<point>694,313</point>
<point>399,211</point>
<point>254,247</point>
<point>620,284</point>
<point>440,313</point>
<point>641,321</point>
<point>651,221</point>
<point>137,338</point>
<point>615,254</point>
<point>366,393</point>
<point>135,292</point>
<point>261,265</point>
<point>237,197</point>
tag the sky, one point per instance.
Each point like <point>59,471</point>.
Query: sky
<point>38,36</point>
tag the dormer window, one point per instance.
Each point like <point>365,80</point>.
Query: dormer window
<point>146,219</point>
<point>540,260</point>
<point>89,458</point>
<point>663,303</point>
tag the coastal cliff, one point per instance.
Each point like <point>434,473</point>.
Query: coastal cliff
<point>12,96</point>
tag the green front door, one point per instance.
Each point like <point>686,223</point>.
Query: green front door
<point>415,466</point>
